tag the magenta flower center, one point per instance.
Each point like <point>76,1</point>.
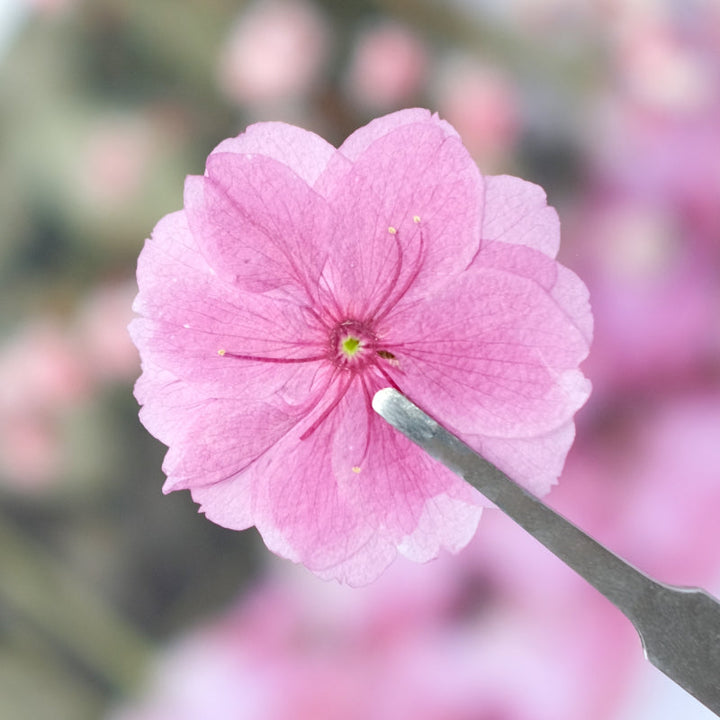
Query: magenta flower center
<point>353,345</point>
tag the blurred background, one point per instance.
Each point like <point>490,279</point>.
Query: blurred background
<point>119,603</point>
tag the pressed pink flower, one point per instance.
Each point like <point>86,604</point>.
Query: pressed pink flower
<point>298,280</point>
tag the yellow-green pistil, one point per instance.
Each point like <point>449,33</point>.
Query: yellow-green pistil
<point>350,345</point>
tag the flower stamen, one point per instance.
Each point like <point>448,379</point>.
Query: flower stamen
<point>236,356</point>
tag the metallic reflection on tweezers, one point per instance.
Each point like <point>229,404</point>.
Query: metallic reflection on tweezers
<point>679,626</point>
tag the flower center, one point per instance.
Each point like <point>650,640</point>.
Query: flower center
<point>352,345</point>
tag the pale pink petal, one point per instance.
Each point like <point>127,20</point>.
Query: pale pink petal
<point>535,462</point>
<point>491,354</point>
<point>518,260</point>
<point>258,224</point>
<point>571,294</point>
<point>393,478</point>
<point>220,438</point>
<point>566,288</point>
<point>212,439</point>
<point>356,144</point>
<point>313,505</point>
<point>516,211</point>
<point>191,316</point>
<point>406,220</point>
<point>445,523</point>
<point>229,503</point>
<point>217,412</point>
<point>166,402</point>
<point>363,566</point>
<point>304,152</point>
<point>302,512</point>
<point>192,357</point>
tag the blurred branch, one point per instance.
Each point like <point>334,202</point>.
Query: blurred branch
<point>45,593</point>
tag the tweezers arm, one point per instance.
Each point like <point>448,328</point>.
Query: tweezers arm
<point>679,627</point>
<point>619,582</point>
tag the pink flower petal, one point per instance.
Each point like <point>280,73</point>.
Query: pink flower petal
<point>213,433</point>
<point>357,143</point>
<point>491,354</point>
<point>223,439</point>
<point>516,212</point>
<point>304,152</point>
<point>258,224</point>
<point>534,462</point>
<point>571,294</point>
<point>406,220</point>
<point>518,260</point>
<point>301,511</point>
<point>446,523</point>
<point>568,291</point>
<point>360,514</point>
<point>196,316</point>
<point>394,478</point>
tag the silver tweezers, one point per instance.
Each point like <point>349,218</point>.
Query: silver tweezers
<point>679,627</point>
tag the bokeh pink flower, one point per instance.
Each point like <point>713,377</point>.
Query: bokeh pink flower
<point>115,161</point>
<point>300,279</point>
<point>275,53</point>
<point>387,67</point>
<point>475,637</point>
<point>648,486</point>
<point>654,297</point>
<point>41,376</point>
<point>49,369</point>
<point>100,328</point>
<point>480,101</point>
